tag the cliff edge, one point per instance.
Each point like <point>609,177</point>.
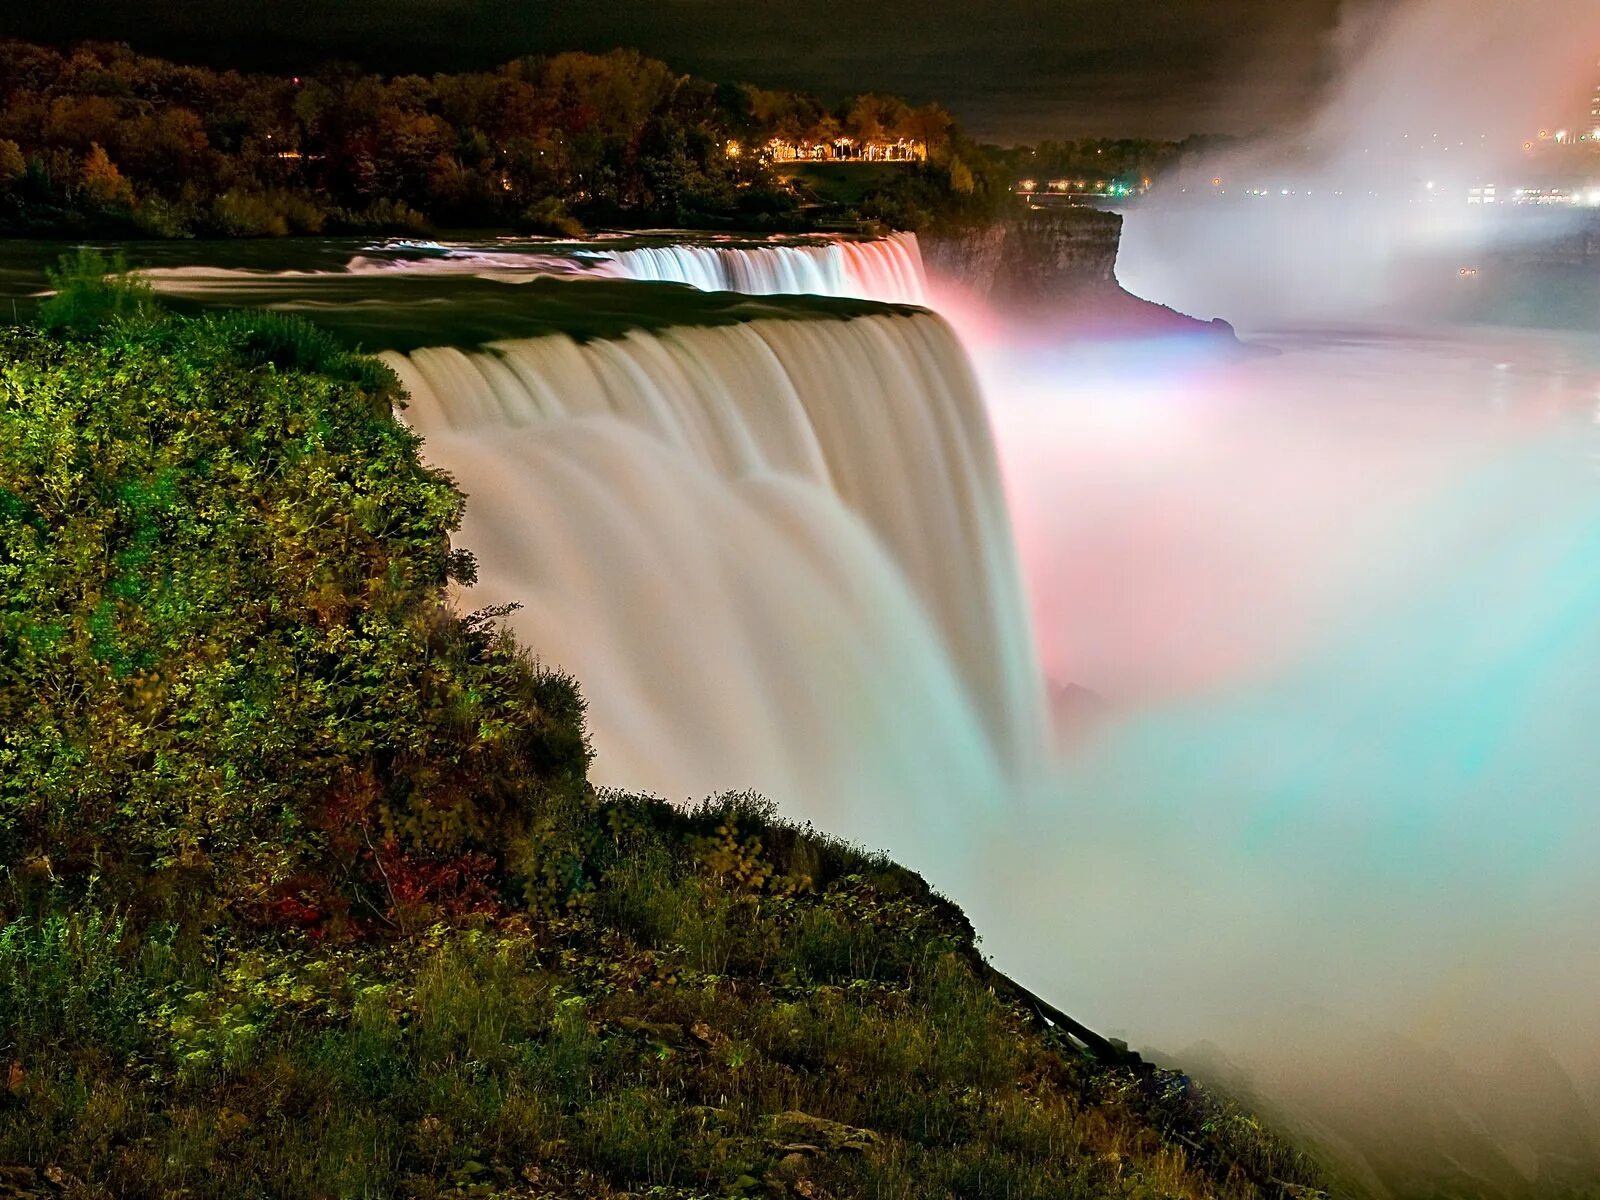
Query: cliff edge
<point>1056,269</point>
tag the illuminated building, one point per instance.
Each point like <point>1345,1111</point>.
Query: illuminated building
<point>845,149</point>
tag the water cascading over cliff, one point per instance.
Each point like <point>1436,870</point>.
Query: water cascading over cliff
<point>776,555</point>
<point>888,269</point>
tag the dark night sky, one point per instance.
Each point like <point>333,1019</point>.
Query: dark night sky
<point>1010,69</point>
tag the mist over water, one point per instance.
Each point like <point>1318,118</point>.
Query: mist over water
<point>1364,210</point>
<point>1339,607</point>
<point>1346,757</point>
<point>1343,604</point>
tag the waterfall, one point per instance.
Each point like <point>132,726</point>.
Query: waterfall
<point>885,269</point>
<point>888,270</point>
<point>776,554</point>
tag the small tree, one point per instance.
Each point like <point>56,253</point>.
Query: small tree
<point>961,181</point>
<point>13,166</point>
<point>102,181</point>
<point>93,293</point>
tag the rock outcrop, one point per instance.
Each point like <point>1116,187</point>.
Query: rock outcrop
<point>1055,267</point>
<point>1032,256</point>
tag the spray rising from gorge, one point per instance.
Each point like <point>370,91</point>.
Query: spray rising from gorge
<point>869,437</point>
<point>1386,202</point>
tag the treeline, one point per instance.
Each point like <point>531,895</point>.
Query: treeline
<point>801,119</point>
<point>101,139</point>
<point>1102,162</point>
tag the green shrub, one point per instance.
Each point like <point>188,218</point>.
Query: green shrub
<point>161,218</point>
<point>93,293</point>
<point>390,217</point>
<point>64,981</point>
<point>293,344</point>
<point>247,214</point>
<point>550,218</point>
<point>227,676</point>
<point>237,213</point>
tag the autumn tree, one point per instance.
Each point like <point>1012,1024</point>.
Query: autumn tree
<point>13,166</point>
<point>101,180</point>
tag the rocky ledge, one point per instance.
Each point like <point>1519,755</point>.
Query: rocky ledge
<point>1056,267</point>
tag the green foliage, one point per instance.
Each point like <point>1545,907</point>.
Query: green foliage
<point>93,293</point>
<point>934,197</point>
<point>105,140</point>
<point>293,344</point>
<point>387,215</point>
<point>65,977</point>
<point>273,213</point>
<point>849,1044</point>
<point>227,678</point>
<point>550,217</point>
<point>158,217</point>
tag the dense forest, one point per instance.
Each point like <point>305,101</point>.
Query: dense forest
<point>1101,164</point>
<point>103,140</point>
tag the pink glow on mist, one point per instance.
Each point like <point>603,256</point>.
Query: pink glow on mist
<point>1188,523</point>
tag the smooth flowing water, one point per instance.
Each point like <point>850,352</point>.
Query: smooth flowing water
<point>886,269</point>
<point>776,555</point>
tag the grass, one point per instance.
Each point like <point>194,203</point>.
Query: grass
<point>795,1018</point>
<point>843,184</point>
<point>407,313</point>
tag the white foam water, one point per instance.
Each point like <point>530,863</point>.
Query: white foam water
<point>884,269</point>
<point>775,554</point>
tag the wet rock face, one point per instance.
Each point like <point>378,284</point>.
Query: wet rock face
<point>969,256</point>
<point>1054,272</point>
<point>1032,255</point>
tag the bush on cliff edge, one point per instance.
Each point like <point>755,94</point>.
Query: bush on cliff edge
<point>227,675</point>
